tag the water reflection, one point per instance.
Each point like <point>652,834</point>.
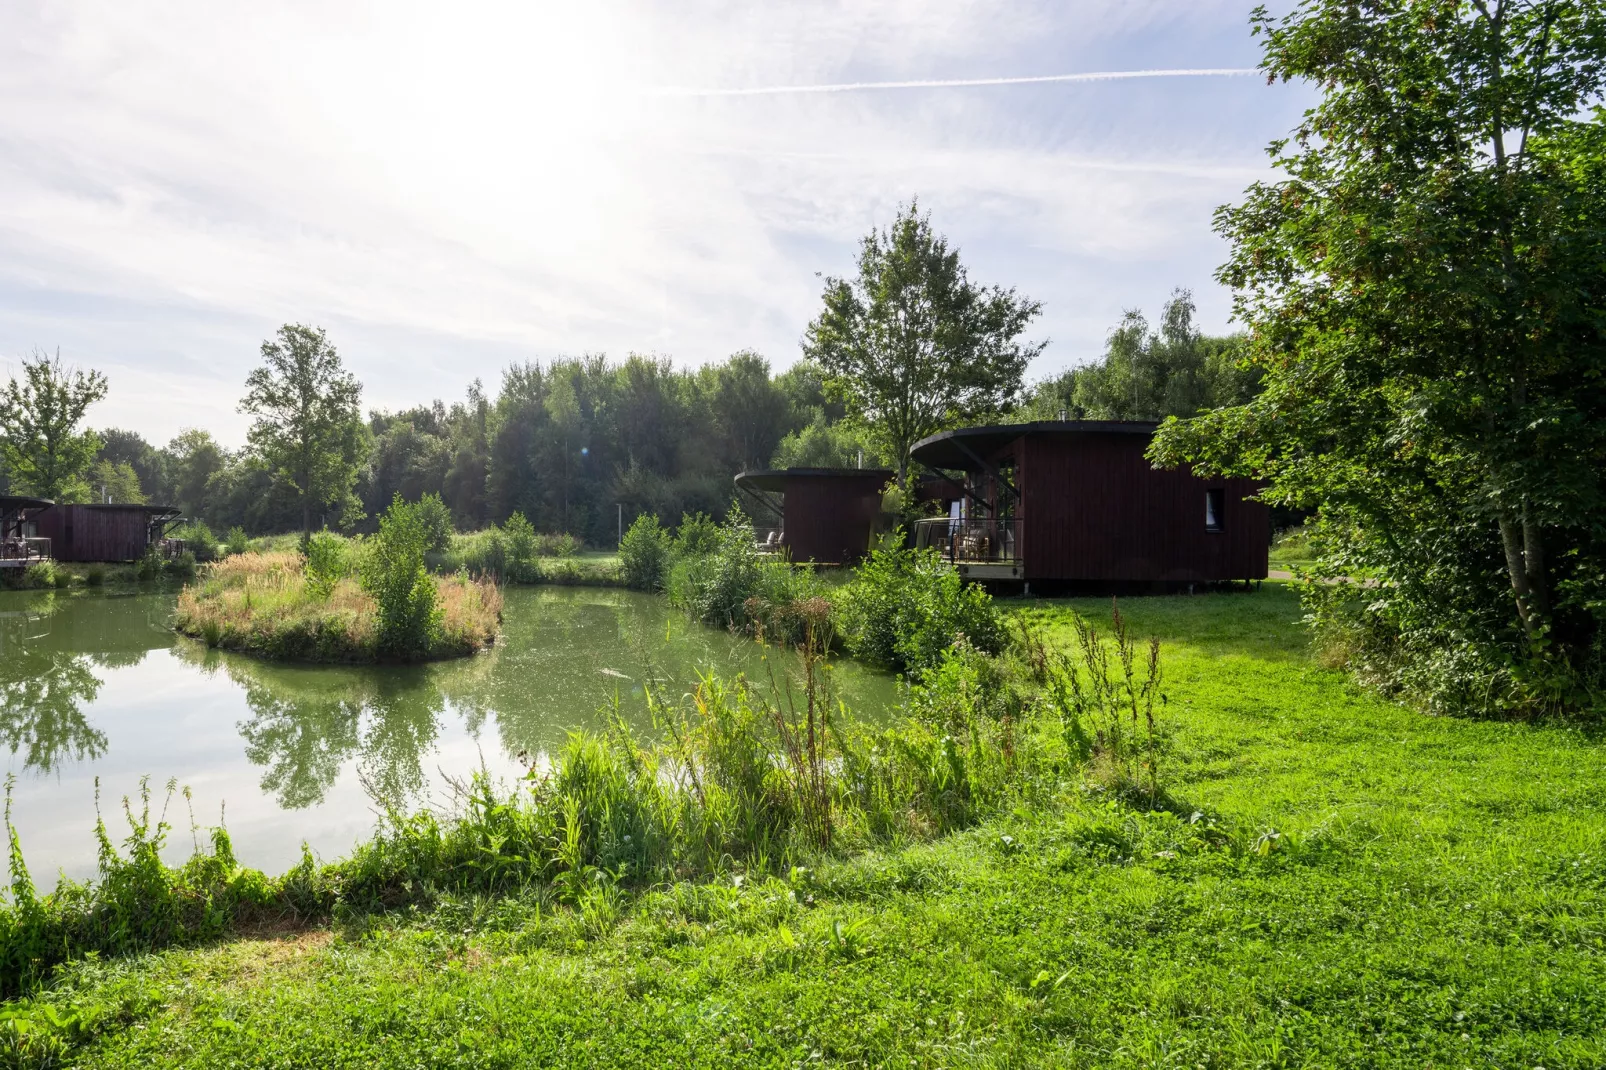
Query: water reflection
<point>48,657</point>
<point>97,685</point>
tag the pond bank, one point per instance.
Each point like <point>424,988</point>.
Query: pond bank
<point>1342,898</point>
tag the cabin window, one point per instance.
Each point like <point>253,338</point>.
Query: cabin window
<point>1215,508</point>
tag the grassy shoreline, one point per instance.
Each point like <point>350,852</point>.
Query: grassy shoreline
<point>1362,886</point>
<point>261,603</point>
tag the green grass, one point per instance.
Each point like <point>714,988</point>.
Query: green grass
<point>1362,886</point>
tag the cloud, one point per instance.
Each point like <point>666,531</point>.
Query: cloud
<point>448,187</point>
<point>956,83</point>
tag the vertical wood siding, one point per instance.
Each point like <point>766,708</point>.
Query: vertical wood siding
<point>98,533</point>
<point>1092,508</point>
<point>829,518</point>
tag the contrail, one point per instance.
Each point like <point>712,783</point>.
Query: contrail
<point>955,83</point>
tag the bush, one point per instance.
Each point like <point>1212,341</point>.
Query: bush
<point>522,549</point>
<point>95,576</point>
<point>735,586</point>
<point>394,575</point>
<point>436,521</point>
<point>644,553</point>
<point>906,607</point>
<point>238,542</point>
<point>328,562</point>
<point>181,565</point>
<point>698,535</point>
<point>45,574</point>
<point>198,539</point>
<point>150,564</point>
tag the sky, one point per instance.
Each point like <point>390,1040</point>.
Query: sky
<point>449,188</point>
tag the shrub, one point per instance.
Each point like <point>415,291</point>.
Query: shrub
<point>150,564</point>
<point>436,520</point>
<point>644,553</point>
<point>696,536</point>
<point>905,607</point>
<point>45,574</point>
<point>198,539</point>
<point>95,576</point>
<point>560,544</point>
<point>328,562</point>
<point>237,542</point>
<point>522,545</point>
<point>393,574</point>
<point>181,565</point>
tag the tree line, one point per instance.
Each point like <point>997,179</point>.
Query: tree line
<point>575,445</point>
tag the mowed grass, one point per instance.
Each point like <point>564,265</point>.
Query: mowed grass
<point>260,603</point>
<point>1339,882</point>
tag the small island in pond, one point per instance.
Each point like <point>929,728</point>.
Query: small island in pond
<point>340,602</point>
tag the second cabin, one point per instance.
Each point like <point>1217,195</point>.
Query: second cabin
<point>1077,502</point>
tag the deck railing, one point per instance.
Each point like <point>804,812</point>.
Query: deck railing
<point>16,552</point>
<point>971,541</point>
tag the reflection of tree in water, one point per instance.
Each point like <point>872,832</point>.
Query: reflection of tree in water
<point>43,691</point>
<point>42,695</point>
<point>307,723</point>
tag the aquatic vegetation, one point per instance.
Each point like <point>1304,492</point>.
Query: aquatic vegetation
<point>261,603</point>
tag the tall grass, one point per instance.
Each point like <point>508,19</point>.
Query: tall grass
<point>756,775</point>
<point>262,603</point>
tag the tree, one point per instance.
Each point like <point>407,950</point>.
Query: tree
<point>1423,288</point>
<point>1148,374</point>
<point>193,459</point>
<point>911,344</point>
<point>40,443</point>
<point>308,427</point>
<point>148,463</point>
<point>109,482</point>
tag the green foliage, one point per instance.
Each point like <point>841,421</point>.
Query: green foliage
<point>197,538</point>
<point>521,548</point>
<point>114,483</point>
<point>437,522</point>
<point>393,573</point>
<point>181,566</point>
<point>733,585</point>
<point>906,607</point>
<point>1150,374</point>
<point>1422,287</point>
<point>697,535</point>
<point>1062,927</point>
<point>45,574</point>
<point>911,344</point>
<point>329,560</point>
<point>824,444</point>
<point>238,542</point>
<point>307,427</point>
<point>41,446</point>
<point>644,553</point>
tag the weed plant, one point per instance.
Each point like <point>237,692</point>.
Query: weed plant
<point>749,776</point>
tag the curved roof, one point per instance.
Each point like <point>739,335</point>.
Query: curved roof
<point>948,449</point>
<point>774,479</point>
<point>11,503</point>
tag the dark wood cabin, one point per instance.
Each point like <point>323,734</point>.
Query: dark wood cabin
<point>1078,502</point>
<point>20,545</point>
<point>826,515</point>
<point>108,533</point>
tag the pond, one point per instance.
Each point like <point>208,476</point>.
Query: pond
<point>96,686</point>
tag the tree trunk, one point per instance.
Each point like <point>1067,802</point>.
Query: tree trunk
<point>1525,565</point>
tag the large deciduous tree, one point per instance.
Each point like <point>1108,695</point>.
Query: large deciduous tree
<point>308,427</point>
<point>1425,287</point>
<point>911,344</point>
<point>41,444</point>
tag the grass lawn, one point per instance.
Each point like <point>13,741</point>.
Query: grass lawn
<point>1342,882</point>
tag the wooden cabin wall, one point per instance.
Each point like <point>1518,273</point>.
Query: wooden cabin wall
<point>829,518</point>
<point>97,534</point>
<point>1094,509</point>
